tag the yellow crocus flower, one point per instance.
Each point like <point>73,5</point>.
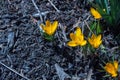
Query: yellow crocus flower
<point>112,68</point>
<point>77,38</point>
<point>95,41</point>
<point>50,28</point>
<point>95,13</point>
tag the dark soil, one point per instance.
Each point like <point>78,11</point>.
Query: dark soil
<point>24,49</point>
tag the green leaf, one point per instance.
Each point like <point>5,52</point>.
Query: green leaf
<point>98,28</point>
<point>110,11</point>
<point>107,75</point>
<point>48,37</point>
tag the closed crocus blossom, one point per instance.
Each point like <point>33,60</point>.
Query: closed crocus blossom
<point>95,13</point>
<point>112,68</point>
<point>95,41</point>
<point>49,28</point>
<point>77,38</point>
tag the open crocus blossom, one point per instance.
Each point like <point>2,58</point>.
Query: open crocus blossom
<point>95,13</point>
<point>112,68</point>
<point>77,38</point>
<point>95,41</point>
<point>49,28</point>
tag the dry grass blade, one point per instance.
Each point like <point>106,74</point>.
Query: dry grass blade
<point>54,6</point>
<point>14,71</point>
<point>62,75</point>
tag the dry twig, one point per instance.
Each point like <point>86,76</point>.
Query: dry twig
<point>37,10</point>
<point>14,71</point>
<point>9,2</point>
<point>54,6</point>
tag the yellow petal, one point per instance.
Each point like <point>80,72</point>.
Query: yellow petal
<point>114,75</point>
<point>99,37</point>
<point>48,24</point>
<point>95,13</point>
<point>78,32</point>
<point>48,28</point>
<point>95,41</point>
<point>93,36</point>
<point>72,36</point>
<point>90,41</point>
<point>96,45</point>
<point>77,38</point>
<point>72,43</point>
<point>110,68</point>
<point>84,42</point>
<point>54,26</point>
<point>116,65</point>
<point>81,37</point>
<point>99,43</point>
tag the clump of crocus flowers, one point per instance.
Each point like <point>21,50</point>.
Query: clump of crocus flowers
<point>50,28</point>
<point>112,68</point>
<point>95,41</point>
<point>77,38</point>
<point>95,13</point>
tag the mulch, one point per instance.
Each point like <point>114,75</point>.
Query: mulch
<point>24,49</point>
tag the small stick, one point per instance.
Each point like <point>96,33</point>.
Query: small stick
<point>54,6</point>
<point>14,71</point>
<point>9,2</point>
<point>37,10</point>
<point>10,59</point>
<point>89,74</point>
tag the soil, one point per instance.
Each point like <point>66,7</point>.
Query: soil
<point>23,48</point>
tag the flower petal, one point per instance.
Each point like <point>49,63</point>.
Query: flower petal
<point>95,13</point>
<point>82,43</point>
<point>95,41</point>
<point>116,65</point>
<point>96,45</point>
<point>81,37</point>
<point>78,32</point>
<point>48,28</point>
<point>77,38</point>
<point>72,36</point>
<point>48,24</point>
<point>54,26</point>
<point>72,43</point>
<point>99,37</point>
<point>110,68</point>
<point>90,41</point>
<point>114,75</point>
<point>93,36</point>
